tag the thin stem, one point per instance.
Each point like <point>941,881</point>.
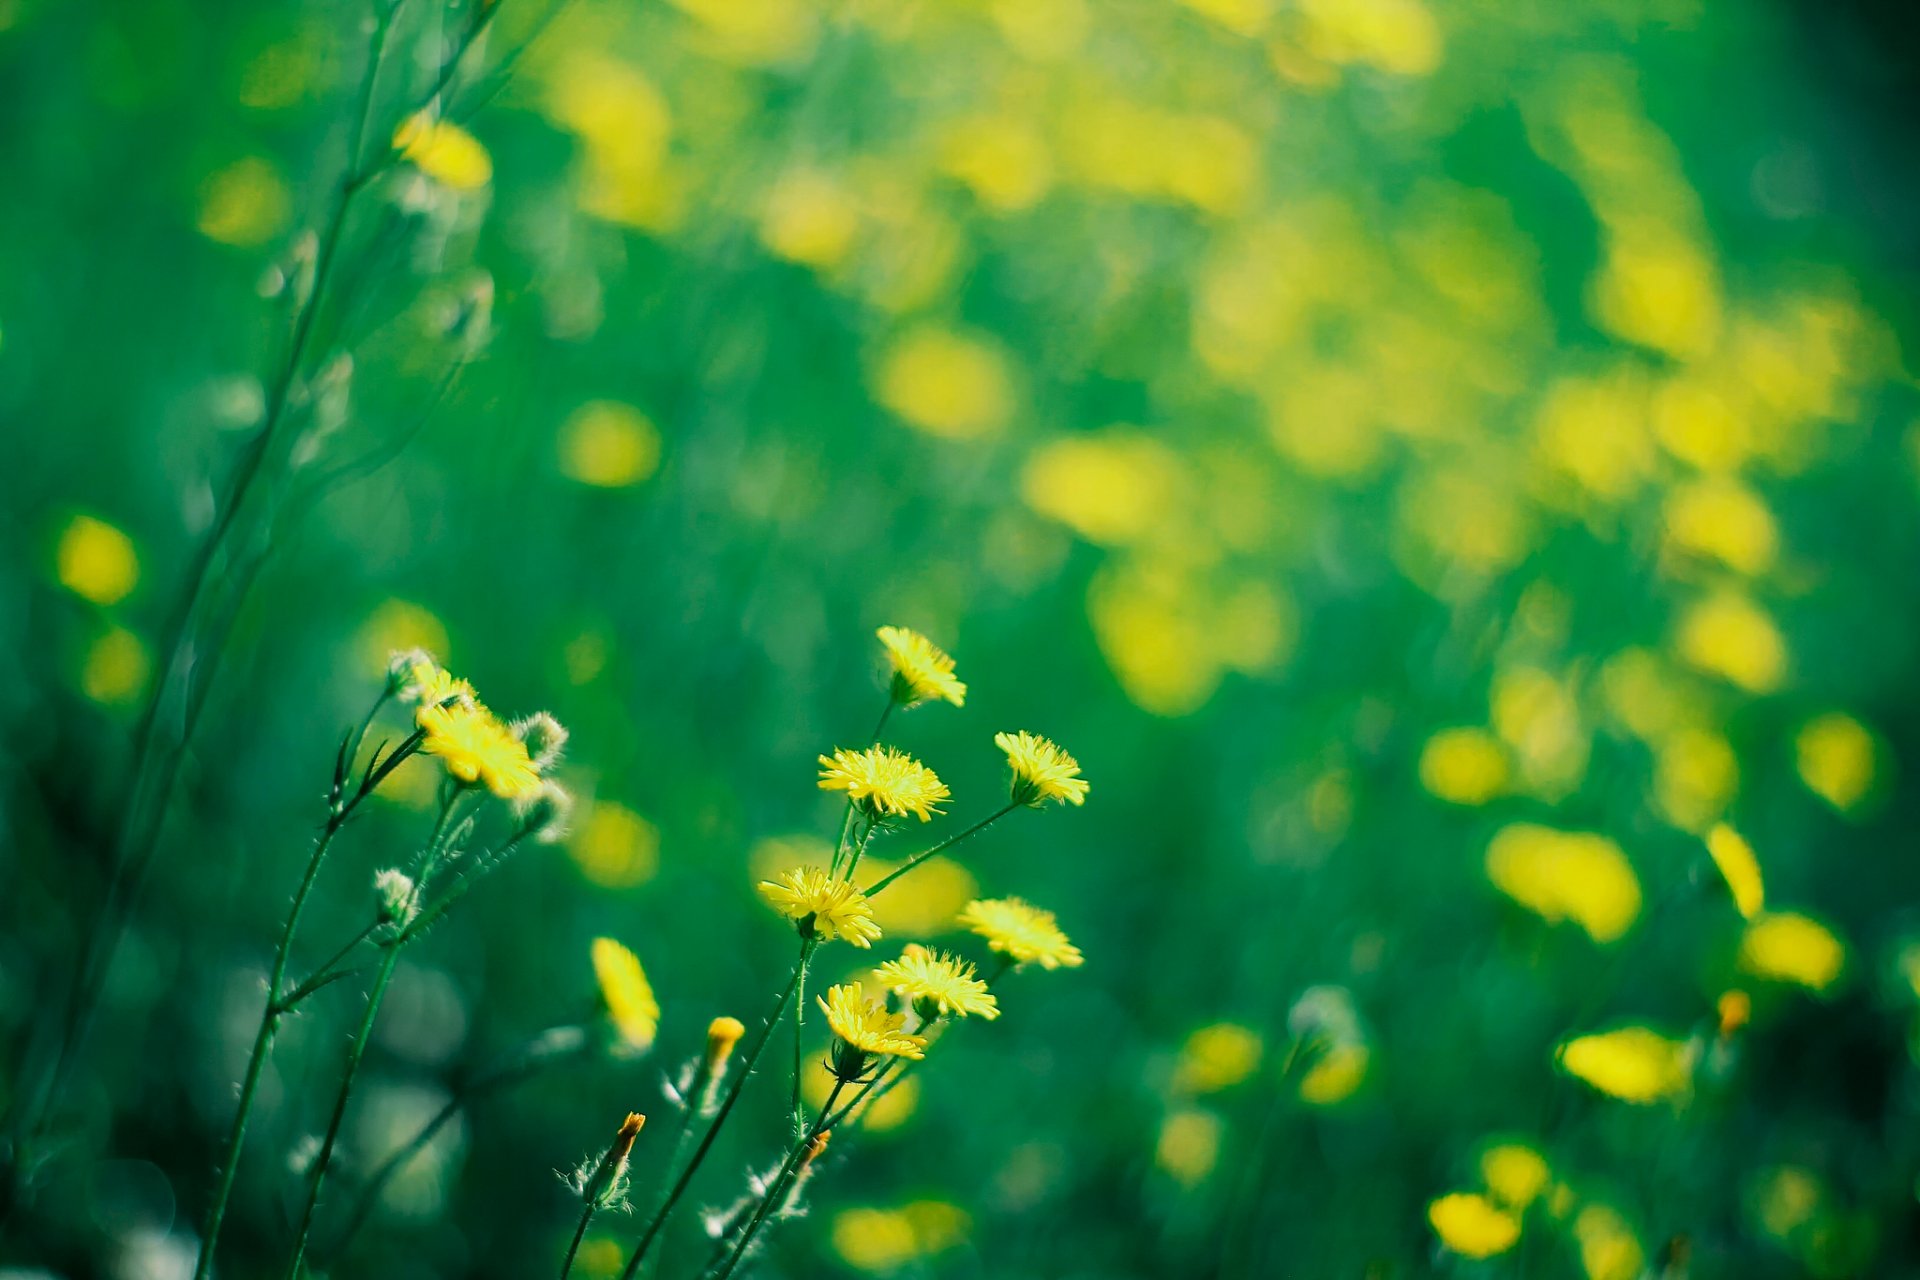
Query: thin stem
<point>679,1188</point>
<point>777,1192</point>
<point>579,1233</point>
<point>799,1030</point>
<point>321,976</point>
<point>846,820</point>
<point>860,848</point>
<point>944,845</point>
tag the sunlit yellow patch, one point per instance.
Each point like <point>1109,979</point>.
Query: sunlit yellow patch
<point>1836,756</point>
<point>1566,875</point>
<point>1002,159</point>
<point>1594,430</point>
<point>753,32</point>
<point>1515,1173</point>
<point>1739,868</point>
<point>1189,1145</point>
<point>395,627</point>
<point>1243,17</point>
<point>1472,1225</point>
<point>1044,30</point>
<point>810,218</point>
<point>1609,1250</point>
<point>1786,1199</point>
<point>1217,1057</point>
<point>444,152</point>
<point>627,994</point>
<point>116,667</point>
<point>1464,766</point>
<point>947,384</point>
<point>245,204</point>
<point>96,561</point>
<point>1397,36</point>
<point>1657,289</point>
<point>615,847</point>
<point>1539,718</point>
<point>884,1240</point>
<point>1730,636</point>
<point>1722,520</point>
<point>917,905</point>
<point>609,445</point>
<point>1634,1064</point>
<point>1697,420</point>
<point>1787,947</point>
<point>1115,487</point>
<point>1695,776</point>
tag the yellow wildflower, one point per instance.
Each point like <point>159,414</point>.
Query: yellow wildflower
<point>1024,932</point>
<point>1739,868</point>
<point>1041,770</point>
<point>1189,1145</point>
<point>1472,1225</point>
<point>1732,1011</point>
<point>1515,1173</point>
<point>1464,766</point>
<point>934,980</point>
<point>865,1028</point>
<point>476,747</point>
<point>824,907</point>
<point>1835,755</point>
<point>883,782</point>
<point>417,678</point>
<point>627,993</point>
<point>1566,875</point>
<point>444,152</point>
<point>922,670</point>
<point>1786,947</point>
<point>1218,1057</point>
<point>96,561</point>
<point>1608,1248</point>
<point>1634,1064</point>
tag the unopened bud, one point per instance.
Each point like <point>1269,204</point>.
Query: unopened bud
<point>408,670</point>
<point>1735,1007</point>
<point>722,1035</point>
<point>608,1181</point>
<point>545,739</point>
<point>543,817</point>
<point>814,1149</point>
<point>393,895</point>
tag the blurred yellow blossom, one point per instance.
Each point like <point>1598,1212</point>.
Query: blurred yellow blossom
<point>1836,757</point>
<point>1116,487</point>
<point>945,383</point>
<point>810,218</point>
<point>1788,947</point>
<point>1723,520</point>
<point>1515,1173</point>
<point>1464,766</point>
<point>753,32</point>
<point>1243,17</point>
<point>874,1240</point>
<point>615,847</point>
<point>1730,636</point>
<point>1397,36</point>
<point>1336,1074</point>
<point>1189,1145</point>
<point>609,445</point>
<point>1594,430</point>
<point>1697,421</point>
<point>1002,159</point>
<point>1695,776</point>
<point>444,152</point>
<point>116,667</point>
<point>1739,868</point>
<point>1472,1225</point>
<point>1566,875</point>
<point>627,994</point>
<point>1634,1064</point>
<point>921,904</point>
<point>1216,1057</point>
<point>1539,718</point>
<point>1786,1198</point>
<point>1609,1250</point>
<point>96,561</point>
<point>245,204</point>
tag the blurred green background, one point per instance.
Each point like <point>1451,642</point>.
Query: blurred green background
<point>1367,433</point>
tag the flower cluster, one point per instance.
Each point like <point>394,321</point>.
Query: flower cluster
<point>474,745</point>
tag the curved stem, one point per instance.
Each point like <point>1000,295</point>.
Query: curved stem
<point>782,1182</point>
<point>943,846</point>
<point>579,1233</point>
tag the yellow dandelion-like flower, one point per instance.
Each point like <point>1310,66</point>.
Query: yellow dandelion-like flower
<point>922,671</point>
<point>1041,770</point>
<point>1739,868</point>
<point>427,684</point>
<point>867,1027</point>
<point>944,982</point>
<point>829,908</point>
<point>1472,1225</point>
<point>627,993</point>
<point>884,782</point>
<point>1025,932</point>
<point>1634,1064</point>
<point>475,747</point>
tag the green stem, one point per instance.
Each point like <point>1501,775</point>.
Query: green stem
<point>579,1233</point>
<point>942,847</point>
<point>799,1030</point>
<point>782,1182</point>
<point>680,1184</point>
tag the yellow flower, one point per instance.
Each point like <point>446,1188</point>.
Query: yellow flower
<point>1792,948</point>
<point>944,982</point>
<point>1608,1248</point>
<point>1566,875</point>
<point>444,152</point>
<point>1021,931</point>
<point>1472,1225</point>
<point>1189,1145</point>
<point>1515,1173</point>
<point>867,1026</point>
<point>883,782</point>
<point>1635,1064</point>
<point>828,908</point>
<point>1739,868</point>
<point>1041,770</point>
<point>421,680</point>
<point>1218,1057</point>
<point>627,993</point>
<point>96,561</point>
<point>922,671</point>
<point>1464,766</point>
<point>1835,755</point>
<point>475,747</point>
